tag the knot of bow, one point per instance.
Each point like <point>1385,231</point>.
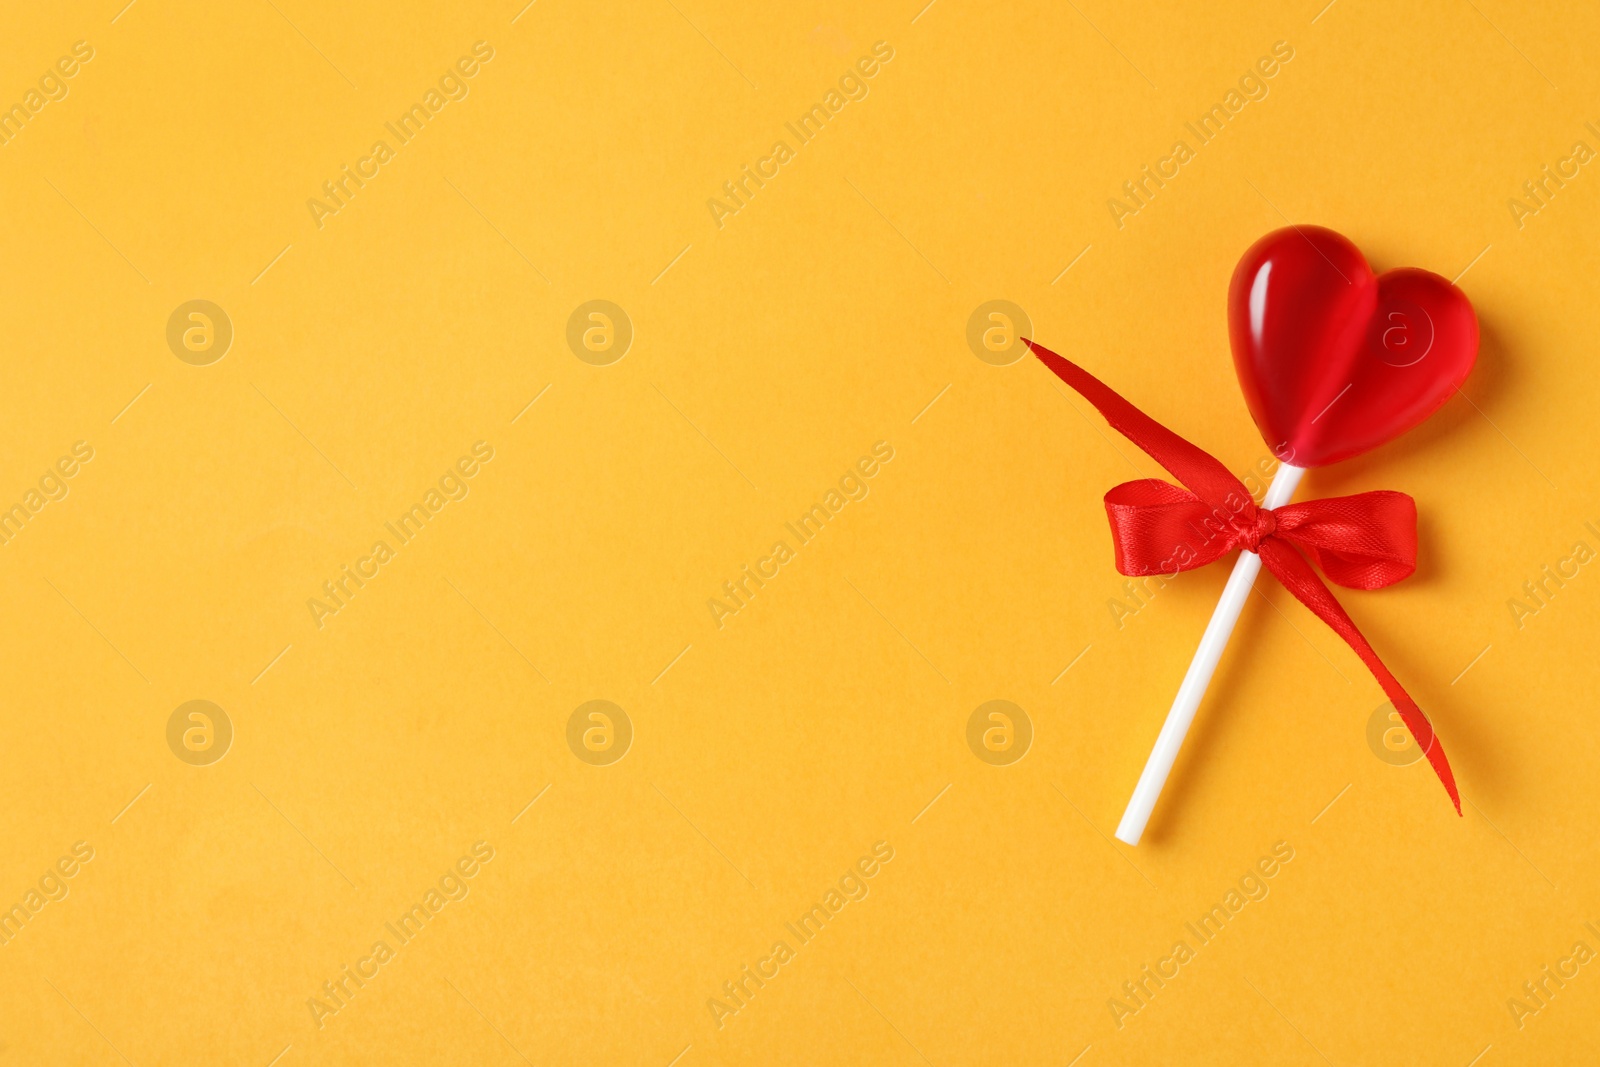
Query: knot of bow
<point>1365,541</point>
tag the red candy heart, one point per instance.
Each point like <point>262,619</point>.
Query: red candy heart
<point>1333,360</point>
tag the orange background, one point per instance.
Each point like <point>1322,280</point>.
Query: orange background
<point>772,348</point>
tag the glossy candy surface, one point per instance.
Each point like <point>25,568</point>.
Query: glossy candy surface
<point>1333,360</point>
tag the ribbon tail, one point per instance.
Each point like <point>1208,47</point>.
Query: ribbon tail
<point>1296,574</point>
<point>1196,468</point>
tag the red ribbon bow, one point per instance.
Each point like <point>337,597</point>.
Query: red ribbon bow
<point>1366,541</point>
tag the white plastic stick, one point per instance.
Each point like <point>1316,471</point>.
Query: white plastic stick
<point>1204,664</point>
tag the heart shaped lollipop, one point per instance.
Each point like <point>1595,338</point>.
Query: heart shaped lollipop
<point>1334,361</point>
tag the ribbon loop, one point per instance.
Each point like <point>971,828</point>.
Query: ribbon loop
<point>1365,541</point>
<point>1158,528</point>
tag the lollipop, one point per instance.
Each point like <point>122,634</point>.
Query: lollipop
<point>1334,362</point>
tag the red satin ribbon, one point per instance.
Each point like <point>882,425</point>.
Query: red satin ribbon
<point>1366,541</point>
